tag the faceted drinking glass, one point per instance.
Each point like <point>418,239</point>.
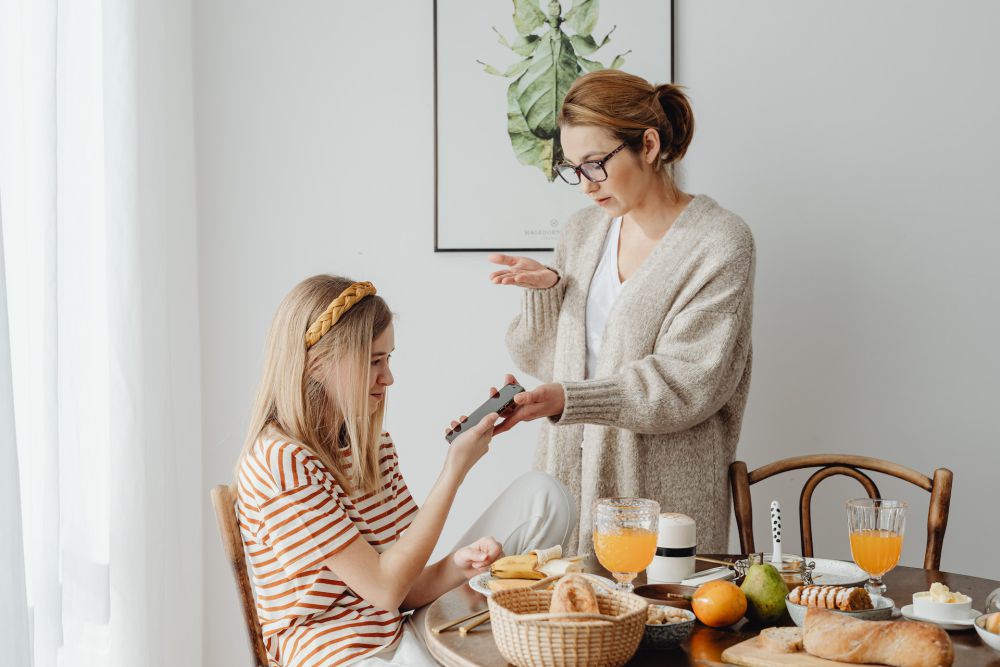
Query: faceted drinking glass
<point>625,531</point>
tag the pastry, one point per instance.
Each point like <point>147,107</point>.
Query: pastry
<point>573,594</point>
<point>831,597</point>
<point>826,634</point>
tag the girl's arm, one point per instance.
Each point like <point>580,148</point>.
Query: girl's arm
<point>386,579</point>
<point>451,571</point>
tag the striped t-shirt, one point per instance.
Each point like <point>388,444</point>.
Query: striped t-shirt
<point>293,516</point>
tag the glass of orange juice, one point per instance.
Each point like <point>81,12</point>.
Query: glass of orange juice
<point>625,531</point>
<point>876,527</point>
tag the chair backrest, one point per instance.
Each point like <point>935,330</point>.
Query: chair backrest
<point>851,466</point>
<point>224,500</point>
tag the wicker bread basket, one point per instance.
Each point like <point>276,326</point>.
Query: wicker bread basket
<point>528,636</point>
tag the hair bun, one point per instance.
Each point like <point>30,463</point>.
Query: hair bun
<point>678,129</point>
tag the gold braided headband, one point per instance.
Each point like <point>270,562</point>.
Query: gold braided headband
<point>336,310</point>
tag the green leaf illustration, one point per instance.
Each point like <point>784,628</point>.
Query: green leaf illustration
<point>527,16</point>
<point>530,149</point>
<point>582,16</point>
<point>552,61</point>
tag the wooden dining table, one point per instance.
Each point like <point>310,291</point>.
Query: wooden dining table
<point>705,646</point>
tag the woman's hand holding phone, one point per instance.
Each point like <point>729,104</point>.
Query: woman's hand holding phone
<point>523,272</point>
<point>545,400</point>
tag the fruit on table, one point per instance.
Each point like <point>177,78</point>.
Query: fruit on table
<point>535,565</point>
<point>992,623</point>
<point>718,603</point>
<point>765,591</point>
<point>521,566</point>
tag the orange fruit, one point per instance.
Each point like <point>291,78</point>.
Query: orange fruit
<point>719,603</point>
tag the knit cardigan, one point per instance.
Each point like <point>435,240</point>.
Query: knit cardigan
<point>662,416</point>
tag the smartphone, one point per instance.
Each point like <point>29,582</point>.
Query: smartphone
<point>499,403</point>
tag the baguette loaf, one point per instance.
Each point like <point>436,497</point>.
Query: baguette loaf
<point>826,634</point>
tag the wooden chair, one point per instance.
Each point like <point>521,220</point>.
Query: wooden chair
<point>851,466</point>
<point>224,500</point>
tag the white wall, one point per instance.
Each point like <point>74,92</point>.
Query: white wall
<point>853,137</point>
<point>859,140</point>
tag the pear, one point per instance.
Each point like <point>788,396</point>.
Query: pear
<point>765,591</point>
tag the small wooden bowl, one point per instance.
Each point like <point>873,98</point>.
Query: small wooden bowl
<point>661,594</point>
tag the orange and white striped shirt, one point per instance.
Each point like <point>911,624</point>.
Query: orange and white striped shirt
<point>294,515</point>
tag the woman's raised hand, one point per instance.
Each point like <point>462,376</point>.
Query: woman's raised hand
<point>523,272</point>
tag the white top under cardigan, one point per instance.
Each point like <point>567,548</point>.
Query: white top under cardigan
<point>604,289</point>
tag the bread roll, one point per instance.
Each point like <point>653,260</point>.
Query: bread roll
<point>573,593</point>
<point>826,634</point>
<point>782,640</point>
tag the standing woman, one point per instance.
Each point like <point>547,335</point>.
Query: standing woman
<point>640,329</point>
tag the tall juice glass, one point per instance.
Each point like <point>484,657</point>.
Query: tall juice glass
<point>876,532</point>
<point>625,531</point>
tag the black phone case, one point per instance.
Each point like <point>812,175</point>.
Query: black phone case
<point>503,400</point>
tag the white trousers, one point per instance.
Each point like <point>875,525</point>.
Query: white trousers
<point>535,511</point>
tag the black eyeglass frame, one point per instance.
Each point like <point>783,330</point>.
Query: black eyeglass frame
<point>578,169</point>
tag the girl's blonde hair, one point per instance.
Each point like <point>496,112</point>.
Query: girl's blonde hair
<point>627,105</point>
<point>318,397</point>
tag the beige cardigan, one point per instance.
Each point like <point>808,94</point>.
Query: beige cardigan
<point>662,416</point>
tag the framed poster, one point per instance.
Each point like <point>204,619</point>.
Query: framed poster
<point>497,89</point>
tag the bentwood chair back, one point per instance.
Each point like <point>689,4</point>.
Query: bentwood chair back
<point>224,500</point>
<point>851,466</point>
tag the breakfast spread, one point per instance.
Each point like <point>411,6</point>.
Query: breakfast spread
<point>831,597</point>
<point>895,643</point>
<point>573,594</point>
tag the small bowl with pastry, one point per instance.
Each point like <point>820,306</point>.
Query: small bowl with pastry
<point>666,627</point>
<point>988,628</point>
<point>852,601</point>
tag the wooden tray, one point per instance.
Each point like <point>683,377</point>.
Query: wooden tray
<point>751,654</point>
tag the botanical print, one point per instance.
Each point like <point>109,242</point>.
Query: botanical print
<point>552,61</point>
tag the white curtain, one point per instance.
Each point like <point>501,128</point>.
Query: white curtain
<point>97,198</point>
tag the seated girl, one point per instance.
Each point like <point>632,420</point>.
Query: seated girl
<point>317,473</point>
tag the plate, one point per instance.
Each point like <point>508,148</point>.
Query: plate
<point>829,572</point>
<point>907,613</point>
<point>480,583</point>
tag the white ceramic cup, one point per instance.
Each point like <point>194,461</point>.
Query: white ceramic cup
<point>675,549</point>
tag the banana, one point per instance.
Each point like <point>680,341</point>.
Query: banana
<point>558,566</point>
<point>521,566</point>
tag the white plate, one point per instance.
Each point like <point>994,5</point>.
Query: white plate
<point>951,624</point>
<point>480,583</point>
<point>830,572</point>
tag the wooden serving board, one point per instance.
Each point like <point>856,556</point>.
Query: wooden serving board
<point>751,654</point>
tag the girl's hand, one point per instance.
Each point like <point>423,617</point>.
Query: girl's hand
<point>546,400</point>
<point>472,445</point>
<point>523,272</point>
<point>477,557</point>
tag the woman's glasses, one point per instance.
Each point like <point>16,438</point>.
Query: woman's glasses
<point>592,170</point>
